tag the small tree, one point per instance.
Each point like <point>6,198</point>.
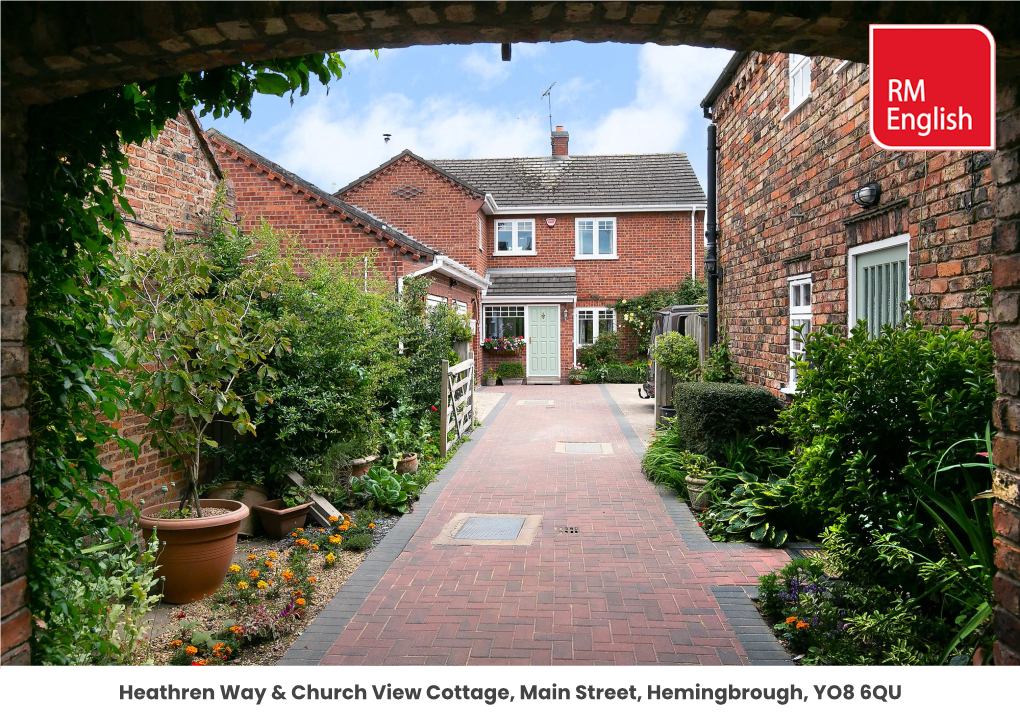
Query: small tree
<point>190,337</point>
<point>678,354</point>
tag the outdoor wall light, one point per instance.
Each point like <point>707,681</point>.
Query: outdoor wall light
<point>867,195</point>
<point>564,314</point>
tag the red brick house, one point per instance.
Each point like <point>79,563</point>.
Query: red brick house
<point>558,238</point>
<point>796,250</point>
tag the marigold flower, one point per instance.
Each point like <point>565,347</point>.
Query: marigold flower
<point>314,546</point>
<point>301,542</point>
<point>236,629</point>
<point>293,534</point>
<point>313,580</point>
<point>802,625</point>
<point>191,650</point>
<point>300,602</point>
<point>254,574</point>
<point>176,643</point>
<point>371,526</point>
<point>298,593</point>
<point>270,564</point>
<point>253,556</point>
<point>242,585</point>
<point>335,539</point>
<point>330,558</point>
<point>287,575</point>
<point>235,568</point>
<point>262,585</point>
<point>333,518</point>
<point>217,647</point>
<point>791,620</point>
<point>271,555</point>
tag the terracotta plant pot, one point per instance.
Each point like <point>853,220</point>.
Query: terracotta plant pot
<point>195,552</point>
<point>278,520</point>
<point>576,382</point>
<point>696,492</point>
<point>249,495</point>
<point>361,466</point>
<point>408,463</point>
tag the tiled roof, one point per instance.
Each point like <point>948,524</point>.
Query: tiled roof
<point>582,180</point>
<point>323,196</point>
<point>532,282</point>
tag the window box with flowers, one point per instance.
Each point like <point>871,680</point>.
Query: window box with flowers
<point>503,345</point>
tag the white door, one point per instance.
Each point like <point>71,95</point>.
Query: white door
<point>543,341</point>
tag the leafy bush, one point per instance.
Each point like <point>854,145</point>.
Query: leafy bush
<point>510,370</point>
<point>621,373</point>
<point>764,511</point>
<point>711,415</point>
<point>385,490</point>
<point>873,419</point>
<point>665,463</point>
<point>719,365</point>
<point>638,314</point>
<point>357,543</point>
<point>677,354</point>
<point>604,351</point>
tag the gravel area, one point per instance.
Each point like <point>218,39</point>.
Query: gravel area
<point>167,619</point>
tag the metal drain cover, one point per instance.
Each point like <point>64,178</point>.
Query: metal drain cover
<point>490,528</point>
<point>569,529</point>
<point>582,447</point>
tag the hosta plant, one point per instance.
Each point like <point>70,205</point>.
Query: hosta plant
<point>386,490</point>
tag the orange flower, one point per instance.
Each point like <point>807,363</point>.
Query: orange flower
<point>270,564</point>
<point>242,585</point>
<point>802,625</point>
<point>333,518</point>
<point>791,620</point>
<point>313,580</point>
<point>254,574</point>
<point>191,649</point>
<point>371,526</point>
<point>330,558</point>
<point>236,629</point>
<point>301,542</point>
<point>300,602</point>
<point>253,556</point>
<point>176,643</point>
<point>314,546</point>
<point>298,593</point>
<point>287,575</point>
<point>271,555</point>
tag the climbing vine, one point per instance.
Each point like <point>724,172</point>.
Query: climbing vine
<point>75,178</point>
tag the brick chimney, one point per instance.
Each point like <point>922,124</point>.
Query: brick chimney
<point>560,138</point>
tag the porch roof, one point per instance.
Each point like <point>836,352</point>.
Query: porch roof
<point>532,282</point>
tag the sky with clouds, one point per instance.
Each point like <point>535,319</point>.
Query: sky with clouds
<point>465,102</point>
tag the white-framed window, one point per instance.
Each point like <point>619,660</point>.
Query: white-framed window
<point>879,283</point>
<point>595,238</point>
<point>481,233</point>
<point>504,321</point>
<point>460,307</point>
<point>432,301</point>
<point>800,323</point>
<point>589,322</point>
<point>515,237</point>
<point>800,79</point>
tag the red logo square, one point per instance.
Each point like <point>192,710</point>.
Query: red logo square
<point>932,87</point>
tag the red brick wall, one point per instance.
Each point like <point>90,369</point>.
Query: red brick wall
<point>775,166</point>
<point>443,215</point>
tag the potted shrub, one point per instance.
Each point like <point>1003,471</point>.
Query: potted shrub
<point>576,375</point>
<point>189,336</point>
<point>697,469</point>
<point>282,516</point>
<point>400,438</point>
<point>511,373</point>
<point>489,377</point>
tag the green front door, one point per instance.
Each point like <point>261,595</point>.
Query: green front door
<point>543,341</point>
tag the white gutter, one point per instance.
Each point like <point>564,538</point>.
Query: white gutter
<point>527,299</point>
<point>450,267</point>
<point>491,207</point>
<point>437,263</point>
<point>694,254</point>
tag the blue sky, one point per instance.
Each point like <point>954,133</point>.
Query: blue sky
<point>463,101</point>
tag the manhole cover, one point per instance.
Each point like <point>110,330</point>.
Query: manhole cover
<point>490,528</point>
<point>582,447</point>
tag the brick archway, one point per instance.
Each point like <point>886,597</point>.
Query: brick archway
<point>54,51</point>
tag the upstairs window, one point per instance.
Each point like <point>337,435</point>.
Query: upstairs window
<point>800,79</point>
<point>595,239</point>
<point>800,323</point>
<point>593,321</point>
<point>515,237</point>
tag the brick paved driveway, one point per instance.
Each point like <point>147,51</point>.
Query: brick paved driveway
<point>625,589</point>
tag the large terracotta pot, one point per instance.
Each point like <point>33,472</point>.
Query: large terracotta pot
<point>249,495</point>
<point>194,553</point>
<point>361,466</point>
<point>408,463</point>
<point>280,520</point>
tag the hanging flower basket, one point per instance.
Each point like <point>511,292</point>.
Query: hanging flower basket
<point>503,345</point>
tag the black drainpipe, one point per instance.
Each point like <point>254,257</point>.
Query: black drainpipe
<point>711,235</point>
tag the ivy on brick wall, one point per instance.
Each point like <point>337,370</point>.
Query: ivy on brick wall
<point>75,177</point>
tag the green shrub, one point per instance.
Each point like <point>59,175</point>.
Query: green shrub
<point>604,351</point>
<point>763,511</point>
<point>385,490</point>
<point>719,365</point>
<point>620,373</point>
<point>356,543</point>
<point>637,314</point>
<point>710,415</point>
<point>510,370</point>
<point>678,354</point>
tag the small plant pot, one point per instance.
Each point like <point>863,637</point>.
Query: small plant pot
<point>512,381</point>
<point>361,466</point>
<point>489,381</point>
<point>280,520</point>
<point>576,382</point>
<point>249,495</point>
<point>668,411</point>
<point>696,492</point>
<point>194,553</point>
<point>408,463</point>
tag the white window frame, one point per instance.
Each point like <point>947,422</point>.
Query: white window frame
<point>798,314</point>
<point>481,233</point>
<point>513,241</point>
<point>432,301</point>
<point>595,325</point>
<point>460,307</point>
<point>895,241</point>
<point>596,255</point>
<point>798,64</point>
<point>487,310</point>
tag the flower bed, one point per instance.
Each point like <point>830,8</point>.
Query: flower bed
<point>504,344</point>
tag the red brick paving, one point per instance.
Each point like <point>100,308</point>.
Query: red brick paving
<point>625,590</point>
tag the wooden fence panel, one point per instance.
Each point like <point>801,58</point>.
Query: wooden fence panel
<point>457,409</point>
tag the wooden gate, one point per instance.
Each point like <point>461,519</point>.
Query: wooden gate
<point>457,405</point>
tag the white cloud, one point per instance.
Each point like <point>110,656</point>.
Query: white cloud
<point>333,142</point>
<point>571,90</point>
<point>671,83</point>
<point>487,64</point>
